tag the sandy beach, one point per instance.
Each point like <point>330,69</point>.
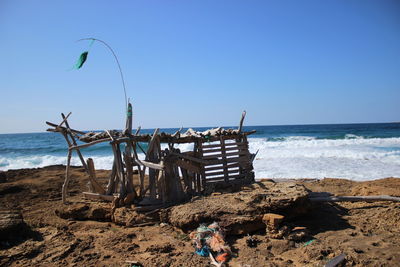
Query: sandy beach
<point>367,233</point>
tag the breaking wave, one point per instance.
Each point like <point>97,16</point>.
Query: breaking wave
<point>353,158</point>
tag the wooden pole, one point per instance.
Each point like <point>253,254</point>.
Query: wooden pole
<point>74,142</point>
<point>128,151</point>
<point>64,119</point>
<point>121,172</point>
<point>152,157</point>
<point>202,171</point>
<point>224,162</point>
<point>111,181</point>
<point>92,176</point>
<point>128,126</point>
<point>129,171</point>
<point>63,128</point>
<point>241,121</point>
<point>66,181</point>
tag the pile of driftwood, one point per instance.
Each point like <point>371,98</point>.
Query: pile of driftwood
<point>165,176</point>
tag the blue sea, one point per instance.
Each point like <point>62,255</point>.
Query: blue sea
<point>353,151</point>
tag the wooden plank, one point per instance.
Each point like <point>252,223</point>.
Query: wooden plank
<point>142,174</point>
<point>224,154</point>
<point>220,167</point>
<point>170,189</point>
<point>222,178</point>
<point>186,156</point>
<point>178,181</point>
<point>129,172</point>
<point>224,163</point>
<point>192,181</point>
<point>92,177</point>
<point>196,175</point>
<point>226,148</point>
<point>152,157</point>
<point>160,192</point>
<point>222,172</point>
<point>202,174</point>
<point>111,181</point>
<point>198,182</point>
<point>242,159</point>
<point>149,164</point>
<point>190,166</point>
<point>186,180</point>
<point>210,175</point>
<point>227,144</point>
<point>119,169</point>
<point>230,167</point>
<point>90,195</point>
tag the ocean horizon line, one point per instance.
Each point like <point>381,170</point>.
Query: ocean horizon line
<point>210,127</point>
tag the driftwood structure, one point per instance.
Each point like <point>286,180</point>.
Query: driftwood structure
<point>165,176</point>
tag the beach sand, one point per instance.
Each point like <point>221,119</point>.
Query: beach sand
<point>368,233</point>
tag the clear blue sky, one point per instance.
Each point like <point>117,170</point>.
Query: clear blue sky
<point>199,63</point>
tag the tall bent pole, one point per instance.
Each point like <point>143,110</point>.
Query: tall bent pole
<point>116,59</point>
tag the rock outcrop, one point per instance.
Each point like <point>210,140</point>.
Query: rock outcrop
<point>241,212</point>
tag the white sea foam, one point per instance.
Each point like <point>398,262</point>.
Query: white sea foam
<point>354,158</point>
<point>101,162</point>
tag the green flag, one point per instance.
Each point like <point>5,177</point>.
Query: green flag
<point>81,60</point>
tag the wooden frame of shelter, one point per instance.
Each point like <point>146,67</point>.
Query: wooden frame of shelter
<point>219,156</point>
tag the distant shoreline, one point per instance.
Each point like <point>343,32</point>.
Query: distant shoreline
<point>234,126</point>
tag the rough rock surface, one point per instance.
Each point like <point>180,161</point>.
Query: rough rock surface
<point>129,217</point>
<point>10,222</point>
<point>241,212</point>
<point>85,211</point>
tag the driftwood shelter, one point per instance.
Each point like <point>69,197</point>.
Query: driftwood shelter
<point>165,176</point>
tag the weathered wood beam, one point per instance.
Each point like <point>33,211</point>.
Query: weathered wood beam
<point>66,181</point>
<point>241,121</point>
<point>73,141</point>
<point>92,177</point>
<point>90,144</point>
<point>64,119</point>
<point>63,128</point>
<point>111,181</point>
<point>192,158</point>
<point>187,165</point>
